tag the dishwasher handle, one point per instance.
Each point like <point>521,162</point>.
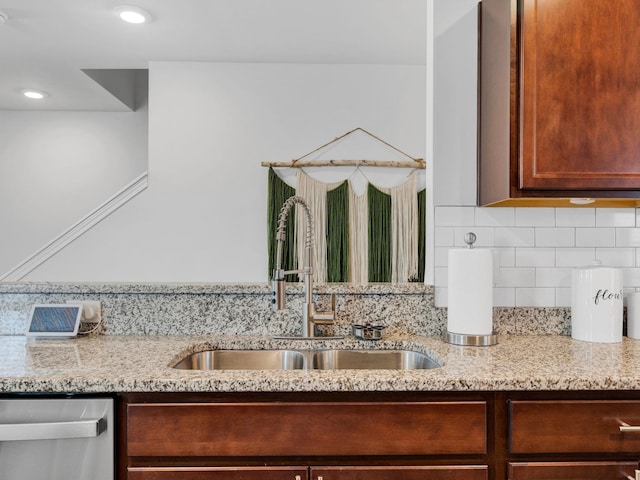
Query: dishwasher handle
<point>11,432</point>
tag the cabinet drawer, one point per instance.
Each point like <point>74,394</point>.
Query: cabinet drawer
<point>572,470</point>
<point>217,473</point>
<point>444,472</point>
<point>573,426</point>
<point>306,428</point>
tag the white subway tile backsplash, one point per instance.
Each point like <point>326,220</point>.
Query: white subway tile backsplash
<point>615,217</point>
<point>514,237</point>
<point>535,257</point>
<point>444,236</point>
<point>563,297</point>
<point>575,217</point>
<point>535,217</point>
<point>555,237</point>
<point>596,237</point>
<point>575,257</point>
<point>631,277</point>
<point>536,249</point>
<point>441,256</point>
<point>504,297</point>
<point>515,277</point>
<point>454,216</point>
<point>495,217</point>
<point>617,257</point>
<point>553,277</point>
<point>504,257</point>
<point>535,297</point>
<point>627,237</point>
<point>484,236</point>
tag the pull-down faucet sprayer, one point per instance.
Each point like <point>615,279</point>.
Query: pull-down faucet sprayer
<point>310,317</point>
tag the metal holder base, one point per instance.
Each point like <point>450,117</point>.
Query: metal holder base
<point>471,340</point>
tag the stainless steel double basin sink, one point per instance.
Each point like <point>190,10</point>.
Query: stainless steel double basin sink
<point>307,360</point>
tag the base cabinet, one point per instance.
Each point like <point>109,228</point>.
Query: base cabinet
<point>444,472</point>
<point>582,435</point>
<point>217,473</point>
<point>570,430</point>
<point>325,436</point>
<point>572,470</point>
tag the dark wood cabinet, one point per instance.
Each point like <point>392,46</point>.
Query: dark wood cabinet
<point>583,437</point>
<point>321,436</point>
<point>446,472</point>
<point>572,470</point>
<point>559,101</point>
<point>379,435</point>
<point>218,473</point>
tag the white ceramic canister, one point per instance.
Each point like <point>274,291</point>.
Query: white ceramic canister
<point>633,315</point>
<point>596,304</point>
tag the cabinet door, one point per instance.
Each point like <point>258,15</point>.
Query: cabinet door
<point>445,472</point>
<point>571,470</point>
<point>217,473</point>
<point>579,95</point>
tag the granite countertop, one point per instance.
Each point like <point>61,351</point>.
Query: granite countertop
<point>143,364</point>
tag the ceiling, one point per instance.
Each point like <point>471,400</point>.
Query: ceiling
<point>46,44</point>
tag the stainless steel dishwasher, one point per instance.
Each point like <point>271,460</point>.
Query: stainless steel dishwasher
<point>56,438</point>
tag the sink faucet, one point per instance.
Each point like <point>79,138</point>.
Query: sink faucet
<point>310,317</point>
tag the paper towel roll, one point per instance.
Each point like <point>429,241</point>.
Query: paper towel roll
<point>470,294</point>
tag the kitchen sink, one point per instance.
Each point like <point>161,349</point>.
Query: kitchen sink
<point>372,360</point>
<point>243,360</point>
<point>307,360</point>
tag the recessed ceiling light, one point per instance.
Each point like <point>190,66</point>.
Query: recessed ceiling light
<point>132,14</point>
<point>34,94</point>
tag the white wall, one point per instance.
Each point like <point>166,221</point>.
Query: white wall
<point>534,249</point>
<point>56,167</point>
<point>203,216</point>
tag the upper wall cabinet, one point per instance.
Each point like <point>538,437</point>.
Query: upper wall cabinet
<point>559,102</point>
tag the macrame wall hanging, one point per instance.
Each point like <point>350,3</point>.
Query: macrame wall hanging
<point>376,235</point>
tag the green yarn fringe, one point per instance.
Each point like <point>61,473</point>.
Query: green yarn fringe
<point>277,193</point>
<point>338,234</point>
<point>379,235</point>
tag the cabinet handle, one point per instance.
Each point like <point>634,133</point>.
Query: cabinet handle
<point>626,428</point>
<point>297,477</point>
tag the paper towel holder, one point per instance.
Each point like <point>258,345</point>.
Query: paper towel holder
<point>472,340</point>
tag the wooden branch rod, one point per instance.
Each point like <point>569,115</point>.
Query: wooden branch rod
<point>417,163</point>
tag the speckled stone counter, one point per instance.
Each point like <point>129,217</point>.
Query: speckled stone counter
<point>143,364</point>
